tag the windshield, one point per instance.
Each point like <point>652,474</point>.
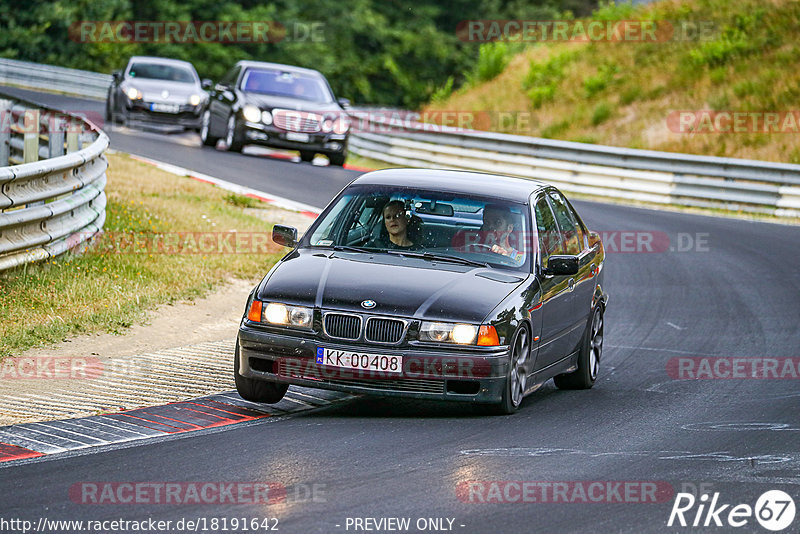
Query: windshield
<point>476,229</point>
<point>289,84</point>
<point>156,71</point>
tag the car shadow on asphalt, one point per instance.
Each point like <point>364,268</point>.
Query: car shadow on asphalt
<point>371,407</point>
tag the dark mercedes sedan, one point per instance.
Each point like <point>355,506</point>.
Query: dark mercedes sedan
<point>278,106</point>
<point>157,91</point>
<point>430,284</point>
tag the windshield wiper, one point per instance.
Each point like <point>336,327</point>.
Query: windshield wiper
<point>440,257</point>
<point>348,248</point>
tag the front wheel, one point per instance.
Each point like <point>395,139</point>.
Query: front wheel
<point>517,377</point>
<point>337,159</point>
<point>307,156</point>
<point>256,390</point>
<point>205,130</point>
<point>233,138</point>
<point>589,358</point>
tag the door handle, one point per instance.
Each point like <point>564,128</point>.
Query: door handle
<point>571,284</point>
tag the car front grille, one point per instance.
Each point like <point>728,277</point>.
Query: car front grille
<point>381,330</point>
<point>343,325</point>
<point>297,121</point>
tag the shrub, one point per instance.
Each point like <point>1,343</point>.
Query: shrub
<point>601,113</point>
<point>492,59</point>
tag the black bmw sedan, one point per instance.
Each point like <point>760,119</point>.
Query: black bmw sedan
<point>277,106</point>
<point>430,284</point>
<point>158,91</point>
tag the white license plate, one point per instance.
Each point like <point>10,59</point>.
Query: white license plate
<point>164,108</point>
<point>359,360</point>
<point>299,137</point>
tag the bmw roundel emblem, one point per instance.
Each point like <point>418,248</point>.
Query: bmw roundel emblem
<point>368,304</point>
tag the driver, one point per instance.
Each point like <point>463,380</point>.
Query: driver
<point>494,233</point>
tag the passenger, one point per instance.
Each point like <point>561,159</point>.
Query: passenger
<point>394,234</point>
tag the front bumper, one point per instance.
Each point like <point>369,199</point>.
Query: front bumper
<point>274,137</point>
<point>187,116</point>
<point>466,374</point>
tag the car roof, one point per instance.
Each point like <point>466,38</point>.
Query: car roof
<point>265,65</point>
<point>161,60</point>
<point>473,183</point>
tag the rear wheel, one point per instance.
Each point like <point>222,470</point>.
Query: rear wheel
<point>233,137</point>
<point>589,358</point>
<point>256,390</point>
<point>306,155</point>
<point>205,129</point>
<point>517,376</point>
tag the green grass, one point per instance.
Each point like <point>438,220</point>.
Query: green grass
<point>746,57</point>
<point>112,284</point>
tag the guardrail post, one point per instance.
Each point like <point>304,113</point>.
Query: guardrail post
<point>73,140</point>
<point>56,135</point>
<point>30,151</point>
<point>5,131</point>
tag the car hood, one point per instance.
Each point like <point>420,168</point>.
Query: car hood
<point>400,286</point>
<point>270,102</point>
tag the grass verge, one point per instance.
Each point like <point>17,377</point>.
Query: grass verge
<point>166,239</point>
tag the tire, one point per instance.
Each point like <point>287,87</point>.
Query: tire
<point>233,138</point>
<point>307,156</point>
<point>205,128</point>
<point>337,159</point>
<point>516,378</point>
<point>256,390</point>
<point>589,358</point>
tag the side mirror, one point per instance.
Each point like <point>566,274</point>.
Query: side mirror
<point>206,84</point>
<point>344,102</point>
<point>562,265</point>
<point>285,235</point>
<point>117,76</point>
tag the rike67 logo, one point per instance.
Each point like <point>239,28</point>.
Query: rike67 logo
<point>774,510</point>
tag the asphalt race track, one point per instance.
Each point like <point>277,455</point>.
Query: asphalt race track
<point>710,288</point>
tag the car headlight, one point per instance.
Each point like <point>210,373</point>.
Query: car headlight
<point>266,117</point>
<point>342,125</point>
<point>280,314</point>
<point>133,93</point>
<point>195,100</point>
<point>338,125</point>
<point>251,113</point>
<point>463,334</point>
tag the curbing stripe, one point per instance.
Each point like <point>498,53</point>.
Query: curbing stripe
<point>34,440</point>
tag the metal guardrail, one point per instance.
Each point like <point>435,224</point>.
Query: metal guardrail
<point>642,175</point>
<point>51,205</point>
<point>38,76</point>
